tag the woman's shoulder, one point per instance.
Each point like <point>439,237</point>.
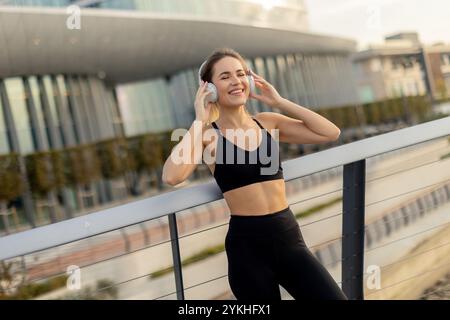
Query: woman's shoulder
<point>267,119</point>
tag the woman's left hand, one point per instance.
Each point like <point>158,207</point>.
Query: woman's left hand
<point>269,95</point>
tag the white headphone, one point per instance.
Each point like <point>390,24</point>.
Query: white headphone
<point>213,97</point>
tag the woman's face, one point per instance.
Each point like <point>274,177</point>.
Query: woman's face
<point>231,82</point>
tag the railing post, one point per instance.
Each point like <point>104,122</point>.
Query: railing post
<point>353,230</point>
<point>176,256</point>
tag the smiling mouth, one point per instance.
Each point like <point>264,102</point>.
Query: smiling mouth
<point>236,92</point>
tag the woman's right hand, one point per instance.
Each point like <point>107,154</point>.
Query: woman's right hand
<point>202,111</point>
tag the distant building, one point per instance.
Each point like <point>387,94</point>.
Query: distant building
<point>438,60</point>
<point>389,70</point>
<point>401,66</point>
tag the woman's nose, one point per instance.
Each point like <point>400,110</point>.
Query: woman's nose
<point>236,80</point>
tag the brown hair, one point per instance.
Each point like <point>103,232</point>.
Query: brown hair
<point>207,70</point>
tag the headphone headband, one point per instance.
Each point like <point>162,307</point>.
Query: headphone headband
<point>200,72</point>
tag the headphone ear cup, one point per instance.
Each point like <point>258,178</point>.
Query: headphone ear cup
<point>213,96</point>
<point>251,82</point>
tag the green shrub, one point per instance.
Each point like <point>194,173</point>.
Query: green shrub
<point>11,185</point>
<point>166,143</point>
<point>445,156</point>
<point>28,291</point>
<point>115,157</point>
<point>148,151</point>
<point>45,171</point>
<point>317,208</point>
<point>82,165</point>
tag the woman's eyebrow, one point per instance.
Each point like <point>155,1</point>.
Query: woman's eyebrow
<point>228,72</point>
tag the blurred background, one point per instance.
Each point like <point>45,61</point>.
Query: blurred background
<point>90,92</point>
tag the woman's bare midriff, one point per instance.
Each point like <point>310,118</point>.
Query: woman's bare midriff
<point>258,198</point>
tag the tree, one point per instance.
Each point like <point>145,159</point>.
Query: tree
<point>11,186</point>
<point>45,171</point>
<point>115,157</point>
<point>150,155</point>
<point>82,165</point>
<point>12,278</point>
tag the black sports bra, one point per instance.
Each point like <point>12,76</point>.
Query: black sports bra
<point>246,167</point>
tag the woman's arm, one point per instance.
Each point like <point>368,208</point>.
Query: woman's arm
<point>185,156</point>
<point>306,126</point>
<point>188,153</point>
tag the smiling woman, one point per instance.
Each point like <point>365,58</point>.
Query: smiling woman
<point>264,244</point>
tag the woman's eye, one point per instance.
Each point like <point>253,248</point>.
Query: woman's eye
<point>241,75</point>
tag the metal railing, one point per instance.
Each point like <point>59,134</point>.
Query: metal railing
<point>351,156</point>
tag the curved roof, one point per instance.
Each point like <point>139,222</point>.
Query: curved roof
<point>132,45</point>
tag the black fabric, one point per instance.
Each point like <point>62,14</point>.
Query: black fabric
<point>266,251</point>
<point>236,167</point>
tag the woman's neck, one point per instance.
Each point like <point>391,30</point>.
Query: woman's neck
<point>233,117</point>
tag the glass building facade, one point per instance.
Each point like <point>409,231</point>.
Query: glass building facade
<point>41,112</point>
<point>166,102</point>
<point>313,80</point>
<point>46,113</point>
<point>56,111</point>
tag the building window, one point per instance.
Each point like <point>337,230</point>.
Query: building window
<point>397,89</point>
<point>17,100</point>
<point>36,96</point>
<point>4,148</point>
<point>366,94</point>
<point>445,59</point>
<point>375,65</point>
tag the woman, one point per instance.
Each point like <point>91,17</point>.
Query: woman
<point>264,244</point>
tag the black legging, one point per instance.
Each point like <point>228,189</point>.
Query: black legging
<point>266,251</point>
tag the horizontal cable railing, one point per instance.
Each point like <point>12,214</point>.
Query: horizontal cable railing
<point>171,203</point>
<point>117,284</point>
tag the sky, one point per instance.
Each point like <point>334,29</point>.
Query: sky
<point>368,21</point>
